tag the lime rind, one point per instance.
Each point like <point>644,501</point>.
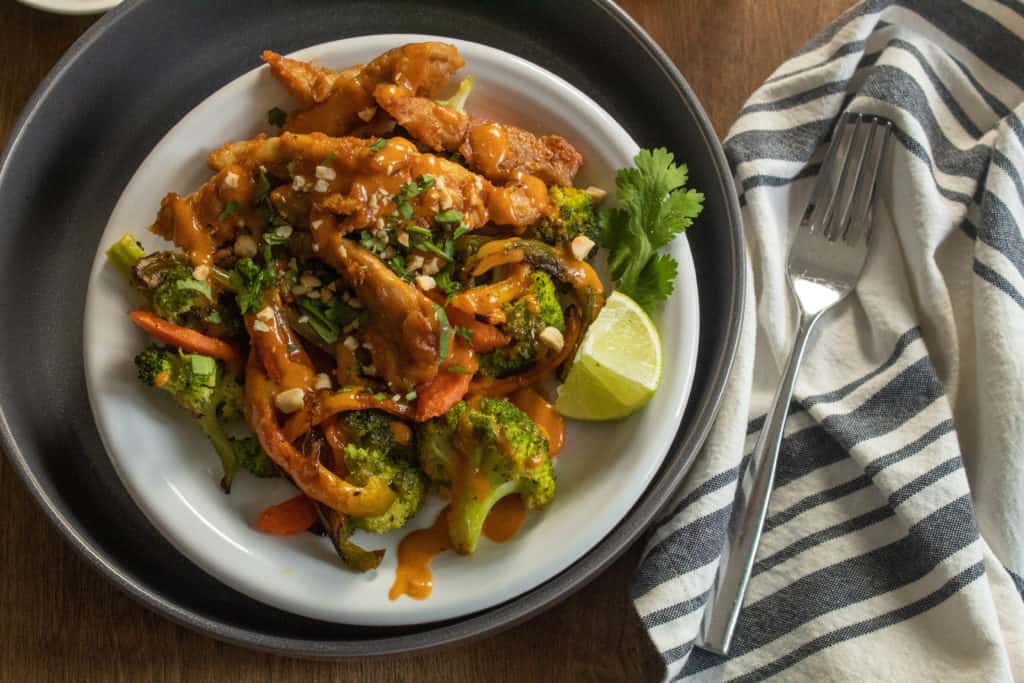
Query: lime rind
<point>618,366</point>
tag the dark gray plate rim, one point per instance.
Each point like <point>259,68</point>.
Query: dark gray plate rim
<point>682,453</point>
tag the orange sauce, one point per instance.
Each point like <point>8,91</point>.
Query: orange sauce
<point>189,233</point>
<point>544,414</point>
<point>504,519</point>
<point>415,553</point>
<point>489,143</point>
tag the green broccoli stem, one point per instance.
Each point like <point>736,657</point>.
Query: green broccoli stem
<point>125,253</point>
<point>467,524</point>
<point>224,447</point>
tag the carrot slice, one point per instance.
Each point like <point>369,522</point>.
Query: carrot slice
<point>185,338</point>
<point>484,337</point>
<point>290,517</point>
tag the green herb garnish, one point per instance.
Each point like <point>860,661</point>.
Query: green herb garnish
<point>656,206</point>
<point>449,216</point>
<point>445,338</point>
<point>378,145</point>
<point>230,209</point>
<point>277,117</point>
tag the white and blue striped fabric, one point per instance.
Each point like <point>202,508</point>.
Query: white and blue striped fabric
<point>894,545</point>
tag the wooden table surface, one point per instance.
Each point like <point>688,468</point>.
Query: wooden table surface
<point>59,620</point>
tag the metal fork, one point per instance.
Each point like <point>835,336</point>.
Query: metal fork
<point>825,263</point>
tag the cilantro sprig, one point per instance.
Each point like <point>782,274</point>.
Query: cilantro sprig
<point>656,206</point>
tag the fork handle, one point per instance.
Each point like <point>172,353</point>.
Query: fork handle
<point>734,569</point>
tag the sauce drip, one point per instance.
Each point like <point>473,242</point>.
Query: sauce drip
<point>415,553</point>
<point>544,414</point>
<point>504,519</point>
<point>489,143</point>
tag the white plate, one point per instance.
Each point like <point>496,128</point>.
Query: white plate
<point>171,470</point>
<point>72,6</point>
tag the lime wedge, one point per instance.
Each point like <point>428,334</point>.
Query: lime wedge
<point>618,366</point>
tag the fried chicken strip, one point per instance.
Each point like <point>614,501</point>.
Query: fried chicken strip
<point>336,102</point>
<point>500,151</point>
<point>365,180</point>
<point>402,330</point>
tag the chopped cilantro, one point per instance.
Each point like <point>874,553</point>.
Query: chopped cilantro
<point>372,244</point>
<point>378,145</point>
<point>414,229</point>
<point>248,281</point>
<point>464,332</point>
<point>397,264</point>
<point>262,187</point>
<point>449,216</point>
<point>277,117</point>
<point>329,158</point>
<point>274,239</point>
<point>327,319</point>
<point>445,282</point>
<point>457,369</point>
<point>445,337</point>
<point>230,209</point>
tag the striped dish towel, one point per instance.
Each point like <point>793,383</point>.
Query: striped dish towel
<point>894,545</point>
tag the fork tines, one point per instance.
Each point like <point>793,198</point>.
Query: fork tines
<point>846,181</point>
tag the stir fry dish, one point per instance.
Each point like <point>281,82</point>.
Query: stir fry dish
<point>375,302</point>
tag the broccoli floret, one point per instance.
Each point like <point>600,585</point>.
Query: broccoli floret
<point>525,318</point>
<point>180,294</point>
<point>125,253</point>
<point>435,438</point>
<point>253,458</point>
<point>374,429</point>
<point>403,477</point>
<point>577,215</point>
<point>504,453</point>
<point>200,385</point>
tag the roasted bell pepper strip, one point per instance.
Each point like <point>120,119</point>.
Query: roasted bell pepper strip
<point>312,478</point>
<point>293,516</point>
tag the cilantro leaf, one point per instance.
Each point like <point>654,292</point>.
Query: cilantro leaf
<point>230,209</point>
<point>277,117</point>
<point>445,339</point>
<point>378,145</point>
<point>656,281</point>
<point>327,319</point>
<point>656,206</point>
<point>248,281</point>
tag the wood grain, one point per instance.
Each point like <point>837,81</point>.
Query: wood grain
<point>60,621</point>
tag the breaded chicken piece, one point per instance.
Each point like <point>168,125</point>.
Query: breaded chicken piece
<point>210,216</point>
<point>365,180</point>
<point>501,152</point>
<point>337,102</point>
<point>402,332</point>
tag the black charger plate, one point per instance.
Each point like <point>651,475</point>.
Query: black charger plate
<point>111,98</point>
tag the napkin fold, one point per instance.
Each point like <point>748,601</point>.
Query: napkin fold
<point>894,544</point>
